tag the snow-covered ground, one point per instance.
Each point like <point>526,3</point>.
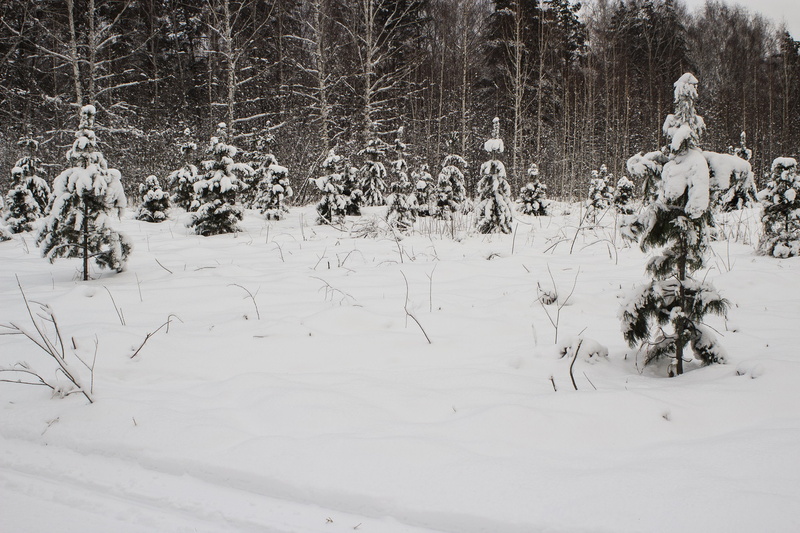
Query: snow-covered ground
<point>318,405</point>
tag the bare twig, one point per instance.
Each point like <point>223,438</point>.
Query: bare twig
<point>409,314</point>
<point>162,266</point>
<point>147,337</point>
<point>572,364</point>
<point>251,295</point>
<point>117,309</point>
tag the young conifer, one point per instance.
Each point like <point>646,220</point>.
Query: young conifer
<point>781,217</point>
<point>665,315</point>
<point>181,182</point>
<point>28,199</point>
<point>155,201</point>
<point>533,196</point>
<point>84,196</point>
<point>493,210</point>
<point>272,188</point>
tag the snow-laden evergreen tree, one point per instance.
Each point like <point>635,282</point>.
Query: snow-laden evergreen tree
<point>533,196</point>
<point>29,196</point>
<point>155,201</point>
<point>5,234</point>
<point>665,315</point>
<point>741,151</point>
<point>646,169</point>
<point>181,182</point>
<point>217,193</point>
<point>272,188</point>
<point>624,195</point>
<point>333,205</point>
<point>84,197</point>
<point>425,190</point>
<point>781,217</point>
<point>493,211</point>
<point>373,172</point>
<point>451,190</point>
<point>402,201</point>
<point>601,192</point>
<point>351,188</point>
<point>732,182</point>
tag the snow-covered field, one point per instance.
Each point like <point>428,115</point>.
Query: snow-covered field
<point>318,405</point>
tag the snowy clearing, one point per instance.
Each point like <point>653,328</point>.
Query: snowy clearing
<point>291,392</point>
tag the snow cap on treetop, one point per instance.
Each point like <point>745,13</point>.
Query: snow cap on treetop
<point>686,86</point>
<point>88,110</point>
<point>495,144</point>
<point>783,163</point>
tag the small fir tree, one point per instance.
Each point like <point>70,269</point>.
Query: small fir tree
<point>451,191</point>
<point>155,201</point>
<point>219,211</point>
<point>333,205</point>
<point>781,216</point>
<point>646,169</point>
<point>272,188</point>
<point>181,182</point>
<point>373,172</point>
<point>425,190</point>
<point>623,196</point>
<point>29,196</point>
<point>601,192</point>
<point>493,211</point>
<point>84,196</point>
<point>665,315</point>
<point>351,189</point>
<point>533,196</point>
<point>402,201</point>
<point>732,180</point>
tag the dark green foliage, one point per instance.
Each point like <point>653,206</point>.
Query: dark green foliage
<point>781,216</point>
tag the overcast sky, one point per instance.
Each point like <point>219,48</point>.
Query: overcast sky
<point>787,11</point>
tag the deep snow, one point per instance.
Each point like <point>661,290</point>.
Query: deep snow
<point>333,413</point>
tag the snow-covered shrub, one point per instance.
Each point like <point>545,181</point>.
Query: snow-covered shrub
<point>29,196</point>
<point>425,190</point>
<point>781,217</point>
<point>155,201</point>
<point>664,315</point>
<point>533,196</point>
<point>332,207</point>
<point>646,168</point>
<point>601,192</point>
<point>732,182</point>
<point>402,201</point>
<point>451,192</point>
<point>84,196</point>
<point>219,211</point>
<point>351,189</point>
<point>493,211</point>
<point>623,196</point>
<point>272,188</point>
<point>181,182</point>
<point>373,172</point>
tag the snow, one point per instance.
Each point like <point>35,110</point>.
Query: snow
<point>687,171</point>
<point>724,166</point>
<point>494,146</point>
<point>332,413</point>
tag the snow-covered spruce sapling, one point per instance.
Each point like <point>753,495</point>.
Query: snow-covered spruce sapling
<point>155,201</point>
<point>646,169</point>
<point>181,182</point>
<point>402,201</point>
<point>601,192</point>
<point>451,191</point>
<point>272,188</point>
<point>332,207</point>
<point>781,217</point>
<point>29,196</point>
<point>624,195</point>
<point>665,315</point>
<point>351,189</point>
<point>533,196</point>
<point>732,181</point>
<point>493,211</point>
<point>84,197</point>
<point>219,211</point>
<point>373,172</point>
<point>425,190</point>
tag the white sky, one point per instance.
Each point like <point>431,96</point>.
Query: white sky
<point>787,11</point>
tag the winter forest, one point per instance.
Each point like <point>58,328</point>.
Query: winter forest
<point>398,266</point>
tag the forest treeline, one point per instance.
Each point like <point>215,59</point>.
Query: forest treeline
<point>575,86</point>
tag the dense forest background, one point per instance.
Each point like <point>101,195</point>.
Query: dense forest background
<point>575,86</point>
